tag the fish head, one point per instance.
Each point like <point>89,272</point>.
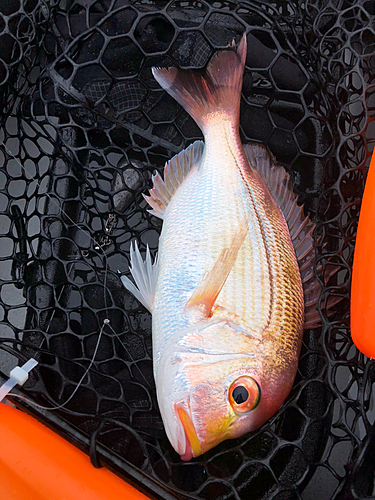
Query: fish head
<point>212,386</point>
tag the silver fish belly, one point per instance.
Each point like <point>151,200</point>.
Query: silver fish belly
<point>225,292</point>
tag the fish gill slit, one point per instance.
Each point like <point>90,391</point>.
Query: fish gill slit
<point>268,323</point>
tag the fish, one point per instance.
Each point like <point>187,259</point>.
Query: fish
<point>232,286</point>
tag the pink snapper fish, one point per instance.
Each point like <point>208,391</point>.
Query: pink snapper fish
<point>233,283</point>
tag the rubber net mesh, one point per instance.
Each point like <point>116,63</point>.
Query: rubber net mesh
<point>83,127</point>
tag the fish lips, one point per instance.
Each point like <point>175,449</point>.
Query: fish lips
<point>188,443</point>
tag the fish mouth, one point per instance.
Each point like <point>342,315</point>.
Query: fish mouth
<point>191,448</point>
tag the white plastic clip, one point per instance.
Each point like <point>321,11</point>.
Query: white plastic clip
<point>18,375</point>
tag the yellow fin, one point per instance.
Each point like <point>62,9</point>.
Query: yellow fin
<point>212,282</point>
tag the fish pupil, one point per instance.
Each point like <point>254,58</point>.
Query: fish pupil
<point>240,394</point>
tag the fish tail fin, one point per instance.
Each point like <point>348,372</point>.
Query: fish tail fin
<point>218,88</point>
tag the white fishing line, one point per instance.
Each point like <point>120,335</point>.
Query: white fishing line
<point>106,321</point>
<point>18,375</point>
<point>131,357</point>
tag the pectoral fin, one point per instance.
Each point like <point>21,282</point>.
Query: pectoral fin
<point>212,282</point>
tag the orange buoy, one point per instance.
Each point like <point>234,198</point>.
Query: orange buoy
<point>37,464</point>
<point>362,309</point>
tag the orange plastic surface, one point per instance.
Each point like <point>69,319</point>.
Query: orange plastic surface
<point>362,309</point>
<point>37,464</point>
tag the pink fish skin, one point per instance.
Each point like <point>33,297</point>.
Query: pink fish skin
<point>225,293</point>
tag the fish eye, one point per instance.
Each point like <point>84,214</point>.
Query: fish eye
<point>240,394</point>
<point>244,394</point>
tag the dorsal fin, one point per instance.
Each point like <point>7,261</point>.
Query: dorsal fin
<point>175,171</point>
<point>300,227</point>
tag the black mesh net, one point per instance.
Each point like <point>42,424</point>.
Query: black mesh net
<point>83,126</point>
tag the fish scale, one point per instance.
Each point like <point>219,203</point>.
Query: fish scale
<point>208,234</point>
<point>225,293</point>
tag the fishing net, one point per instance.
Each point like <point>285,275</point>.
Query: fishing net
<point>83,127</point>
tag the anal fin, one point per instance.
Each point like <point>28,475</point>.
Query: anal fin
<point>175,172</point>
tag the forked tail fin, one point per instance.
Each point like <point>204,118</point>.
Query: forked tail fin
<point>217,89</point>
